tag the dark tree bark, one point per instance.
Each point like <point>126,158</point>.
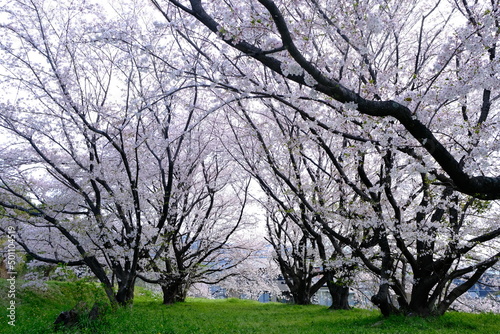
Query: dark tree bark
<point>339,293</point>
<point>383,301</point>
<point>340,297</point>
<point>126,285</point>
<point>431,273</point>
<point>173,292</point>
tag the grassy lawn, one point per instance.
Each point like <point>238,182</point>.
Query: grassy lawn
<point>37,310</point>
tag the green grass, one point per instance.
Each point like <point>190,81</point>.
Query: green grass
<point>36,311</point>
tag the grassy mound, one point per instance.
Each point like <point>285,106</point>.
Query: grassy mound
<point>36,311</point>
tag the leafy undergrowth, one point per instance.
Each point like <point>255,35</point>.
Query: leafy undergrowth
<point>37,310</point>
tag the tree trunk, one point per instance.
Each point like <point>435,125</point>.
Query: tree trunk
<point>126,284</point>
<point>99,272</point>
<point>300,289</point>
<point>174,292</point>
<point>301,297</point>
<point>420,304</point>
<point>125,294</point>
<point>383,301</point>
<point>340,296</point>
<point>111,295</point>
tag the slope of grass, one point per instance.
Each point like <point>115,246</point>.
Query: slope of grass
<point>38,307</point>
<point>36,311</point>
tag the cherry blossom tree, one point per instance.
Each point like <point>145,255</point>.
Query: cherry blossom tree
<point>296,177</point>
<point>113,163</point>
<point>296,256</point>
<point>198,243</point>
<point>415,235</point>
<point>51,182</point>
<point>371,125</point>
<point>381,206</point>
<point>408,91</point>
<point>409,61</point>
